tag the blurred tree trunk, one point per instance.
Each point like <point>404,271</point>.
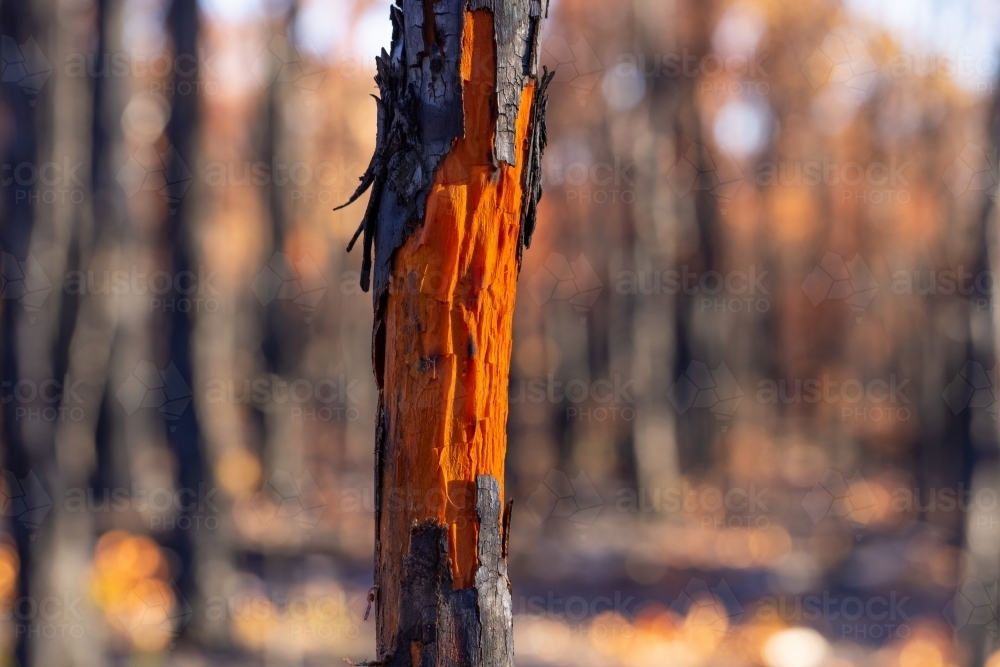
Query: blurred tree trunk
<point>184,434</point>
<point>62,222</point>
<point>653,322</point>
<point>17,216</point>
<point>979,470</point>
<point>455,181</point>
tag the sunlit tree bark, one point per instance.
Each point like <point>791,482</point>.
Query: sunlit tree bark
<point>455,182</point>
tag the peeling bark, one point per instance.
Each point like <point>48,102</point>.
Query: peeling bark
<point>537,141</point>
<point>455,182</point>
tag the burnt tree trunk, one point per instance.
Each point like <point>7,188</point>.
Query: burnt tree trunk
<point>455,181</point>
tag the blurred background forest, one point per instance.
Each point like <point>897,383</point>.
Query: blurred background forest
<point>753,394</point>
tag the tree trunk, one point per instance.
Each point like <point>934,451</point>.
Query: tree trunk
<point>455,182</point>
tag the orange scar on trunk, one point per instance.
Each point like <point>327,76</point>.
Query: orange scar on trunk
<point>448,317</point>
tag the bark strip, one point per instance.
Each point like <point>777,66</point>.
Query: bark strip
<point>492,584</point>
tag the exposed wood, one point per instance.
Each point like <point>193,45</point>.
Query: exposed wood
<point>455,182</point>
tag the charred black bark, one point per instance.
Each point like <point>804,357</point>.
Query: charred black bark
<point>443,627</point>
<point>420,117</point>
<point>537,141</point>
